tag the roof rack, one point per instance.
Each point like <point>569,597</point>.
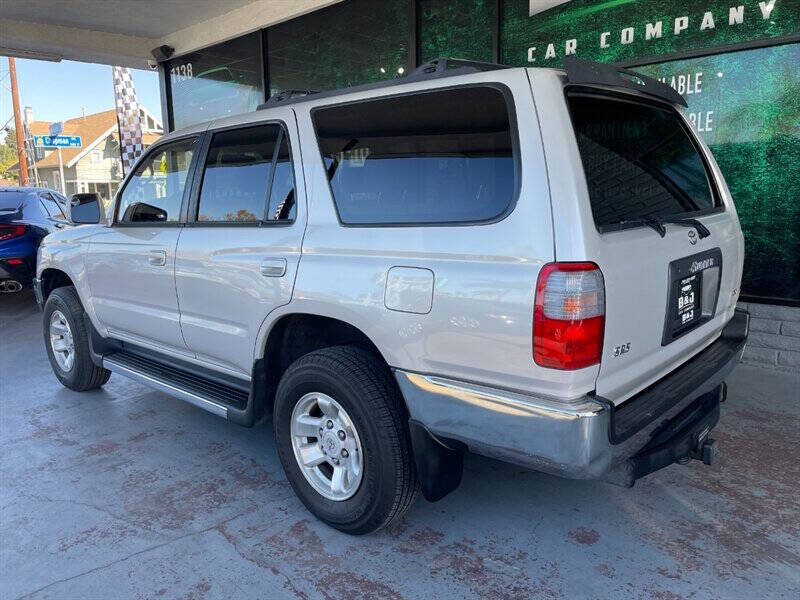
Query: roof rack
<point>439,67</point>
<point>586,72</point>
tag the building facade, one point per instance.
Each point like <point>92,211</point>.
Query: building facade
<point>94,167</point>
<point>735,62</point>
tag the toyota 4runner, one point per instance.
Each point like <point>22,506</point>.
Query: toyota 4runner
<point>536,265</point>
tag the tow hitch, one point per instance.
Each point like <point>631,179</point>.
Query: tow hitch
<point>679,440</point>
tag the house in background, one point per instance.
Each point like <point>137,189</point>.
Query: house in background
<point>96,166</point>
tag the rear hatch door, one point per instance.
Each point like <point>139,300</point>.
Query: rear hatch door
<point>670,287</point>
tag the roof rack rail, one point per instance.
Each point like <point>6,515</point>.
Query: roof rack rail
<point>440,67</point>
<point>285,95</point>
<point>592,73</point>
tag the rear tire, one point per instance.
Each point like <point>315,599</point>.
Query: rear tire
<point>67,342</point>
<point>362,388</point>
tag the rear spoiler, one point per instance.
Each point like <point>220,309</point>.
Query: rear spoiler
<point>584,72</point>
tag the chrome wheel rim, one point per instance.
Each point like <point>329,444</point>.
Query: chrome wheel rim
<point>326,446</point>
<point>61,341</point>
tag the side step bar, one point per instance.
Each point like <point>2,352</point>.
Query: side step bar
<point>113,364</point>
<point>237,401</point>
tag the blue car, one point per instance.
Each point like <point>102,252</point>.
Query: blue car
<point>27,214</point>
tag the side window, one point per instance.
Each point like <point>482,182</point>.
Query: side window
<point>51,206</point>
<point>154,192</point>
<point>437,157</point>
<point>247,177</point>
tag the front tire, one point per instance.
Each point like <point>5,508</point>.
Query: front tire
<point>342,438</point>
<point>67,342</point>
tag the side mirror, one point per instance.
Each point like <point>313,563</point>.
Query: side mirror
<point>85,208</point>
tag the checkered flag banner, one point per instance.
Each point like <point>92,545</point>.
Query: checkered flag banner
<point>129,120</point>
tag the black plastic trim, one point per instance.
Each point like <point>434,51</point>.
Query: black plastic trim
<point>699,375</point>
<point>584,72</point>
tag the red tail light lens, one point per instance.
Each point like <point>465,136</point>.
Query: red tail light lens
<point>569,316</point>
<point>8,232</point>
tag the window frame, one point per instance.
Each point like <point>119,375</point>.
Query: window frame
<point>632,98</point>
<point>115,222</point>
<point>508,96</point>
<point>197,183</point>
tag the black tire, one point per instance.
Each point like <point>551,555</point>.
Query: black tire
<point>362,384</point>
<point>84,374</point>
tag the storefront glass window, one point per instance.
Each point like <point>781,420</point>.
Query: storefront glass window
<point>746,106</point>
<point>355,42</point>
<point>219,81</point>
<point>456,29</point>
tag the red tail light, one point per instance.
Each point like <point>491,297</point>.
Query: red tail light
<point>569,316</point>
<point>8,232</point>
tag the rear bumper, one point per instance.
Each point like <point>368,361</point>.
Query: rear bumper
<point>588,438</point>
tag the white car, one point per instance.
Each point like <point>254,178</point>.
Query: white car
<point>536,265</point>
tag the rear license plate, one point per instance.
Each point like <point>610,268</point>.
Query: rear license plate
<point>687,306</point>
<point>693,280</point>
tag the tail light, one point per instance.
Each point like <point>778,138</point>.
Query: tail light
<point>569,316</point>
<point>8,232</point>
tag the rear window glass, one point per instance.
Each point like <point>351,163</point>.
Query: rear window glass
<point>639,161</point>
<point>436,157</point>
<point>11,200</point>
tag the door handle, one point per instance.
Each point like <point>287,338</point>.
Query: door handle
<point>157,258</point>
<point>273,267</point>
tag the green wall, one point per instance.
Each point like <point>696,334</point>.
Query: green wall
<point>586,20</point>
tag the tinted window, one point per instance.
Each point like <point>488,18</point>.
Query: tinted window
<point>154,192</point>
<point>638,159</point>
<point>282,197</point>
<point>437,157</point>
<point>10,200</point>
<point>239,172</point>
<point>51,206</point>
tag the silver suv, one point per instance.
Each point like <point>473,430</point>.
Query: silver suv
<point>536,265</point>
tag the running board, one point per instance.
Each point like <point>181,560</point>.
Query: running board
<point>224,400</point>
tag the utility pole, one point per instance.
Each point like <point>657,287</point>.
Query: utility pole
<point>23,161</point>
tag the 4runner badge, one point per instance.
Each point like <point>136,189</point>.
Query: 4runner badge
<point>692,237</point>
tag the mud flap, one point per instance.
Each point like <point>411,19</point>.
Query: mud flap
<point>439,466</point>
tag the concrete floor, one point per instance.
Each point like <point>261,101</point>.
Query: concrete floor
<point>127,493</point>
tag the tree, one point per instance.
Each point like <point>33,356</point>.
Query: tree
<point>8,152</point>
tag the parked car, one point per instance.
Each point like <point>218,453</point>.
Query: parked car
<point>536,265</point>
<point>27,214</point>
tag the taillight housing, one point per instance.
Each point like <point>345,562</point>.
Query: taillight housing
<point>569,316</point>
<point>8,232</point>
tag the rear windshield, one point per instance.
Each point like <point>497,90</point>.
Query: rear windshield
<point>10,200</point>
<point>639,161</point>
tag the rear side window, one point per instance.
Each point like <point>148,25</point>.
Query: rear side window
<point>639,161</point>
<point>437,157</point>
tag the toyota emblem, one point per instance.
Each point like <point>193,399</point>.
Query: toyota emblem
<point>692,237</point>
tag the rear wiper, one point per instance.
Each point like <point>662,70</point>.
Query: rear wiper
<point>649,221</point>
<point>702,230</point>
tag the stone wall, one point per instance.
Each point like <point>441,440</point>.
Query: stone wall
<point>774,336</point>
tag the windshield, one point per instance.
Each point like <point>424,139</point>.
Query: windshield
<point>639,161</point>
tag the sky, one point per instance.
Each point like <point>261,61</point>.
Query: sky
<point>58,91</point>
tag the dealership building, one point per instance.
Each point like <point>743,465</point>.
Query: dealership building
<point>734,61</point>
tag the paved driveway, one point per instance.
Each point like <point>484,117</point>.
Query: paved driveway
<point>127,493</point>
